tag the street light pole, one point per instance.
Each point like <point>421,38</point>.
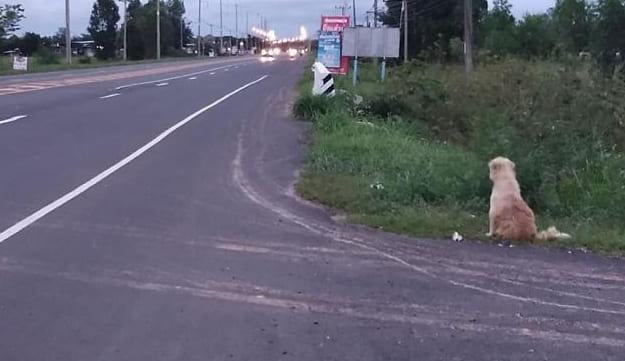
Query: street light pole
<point>199,27</point>
<point>221,27</point>
<point>68,36</point>
<point>125,31</point>
<point>158,29</point>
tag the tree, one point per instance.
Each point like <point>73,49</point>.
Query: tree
<point>176,12</point>
<point>432,23</point>
<point>498,30</point>
<point>103,27</point>
<point>136,49</point>
<point>609,39</point>
<point>10,17</point>
<point>572,19</point>
<point>30,43</point>
<point>536,36</point>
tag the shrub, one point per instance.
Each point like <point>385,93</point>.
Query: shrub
<point>47,57</point>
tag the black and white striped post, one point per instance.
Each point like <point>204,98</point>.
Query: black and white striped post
<point>324,82</point>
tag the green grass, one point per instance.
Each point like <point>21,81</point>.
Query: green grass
<point>430,158</point>
<point>35,66</point>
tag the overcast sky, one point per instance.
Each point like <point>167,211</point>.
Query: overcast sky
<point>285,16</point>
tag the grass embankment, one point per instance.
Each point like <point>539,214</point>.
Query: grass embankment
<point>412,156</point>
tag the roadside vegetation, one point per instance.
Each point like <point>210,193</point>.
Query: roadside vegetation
<point>410,155</point>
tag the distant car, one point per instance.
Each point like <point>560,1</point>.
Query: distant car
<point>266,56</point>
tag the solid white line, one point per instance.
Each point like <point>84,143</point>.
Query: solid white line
<point>162,84</point>
<point>171,78</point>
<point>11,120</point>
<point>19,226</point>
<point>110,96</point>
<point>193,78</point>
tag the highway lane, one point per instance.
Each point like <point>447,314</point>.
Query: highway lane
<point>198,249</point>
<point>89,134</point>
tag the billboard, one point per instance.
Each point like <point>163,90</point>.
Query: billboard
<point>332,24</point>
<point>371,42</point>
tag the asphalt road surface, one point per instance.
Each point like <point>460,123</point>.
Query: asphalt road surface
<point>148,213</point>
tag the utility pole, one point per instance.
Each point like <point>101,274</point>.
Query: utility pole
<point>221,26</point>
<point>468,38</point>
<point>354,8</point>
<point>375,13</point>
<point>406,30</point>
<point>199,27</point>
<point>158,29</point>
<point>125,31</point>
<point>236,22</point>
<point>247,30</point>
<point>68,36</point>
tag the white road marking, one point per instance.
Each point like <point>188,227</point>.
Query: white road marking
<point>162,84</point>
<point>110,96</point>
<point>213,73</point>
<point>193,78</point>
<point>226,69</point>
<point>171,78</point>
<point>19,226</point>
<point>13,119</point>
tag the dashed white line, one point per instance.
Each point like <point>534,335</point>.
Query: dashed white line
<point>110,96</point>
<point>213,73</point>
<point>21,225</point>
<point>13,119</point>
<point>227,69</point>
<point>193,78</point>
<point>171,78</point>
<point>162,84</point>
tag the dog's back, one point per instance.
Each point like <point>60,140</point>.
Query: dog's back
<point>511,217</point>
<point>515,219</point>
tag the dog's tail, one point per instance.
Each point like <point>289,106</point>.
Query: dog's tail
<point>552,234</point>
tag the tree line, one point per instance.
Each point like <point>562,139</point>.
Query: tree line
<point>571,27</point>
<point>106,30</point>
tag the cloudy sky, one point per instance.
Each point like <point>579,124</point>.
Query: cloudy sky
<point>285,16</point>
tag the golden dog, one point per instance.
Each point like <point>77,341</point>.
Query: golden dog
<point>510,217</point>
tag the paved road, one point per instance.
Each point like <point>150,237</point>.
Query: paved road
<point>160,224</point>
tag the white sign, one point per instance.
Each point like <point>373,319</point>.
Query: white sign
<point>371,42</point>
<point>20,63</point>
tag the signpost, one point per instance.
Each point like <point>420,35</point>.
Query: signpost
<point>20,63</point>
<point>330,27</point>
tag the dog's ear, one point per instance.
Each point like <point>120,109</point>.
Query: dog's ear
<point>512,165</point>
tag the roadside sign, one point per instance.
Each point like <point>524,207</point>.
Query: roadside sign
<point>329,53</point>
<point>371,42</point>
<point>20,63</point>
<point>336,24</point>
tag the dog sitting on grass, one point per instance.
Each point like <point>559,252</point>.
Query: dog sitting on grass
<point>510,217</point>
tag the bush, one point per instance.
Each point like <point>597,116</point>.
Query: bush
<point>47,57</point>
<point>85,60</point>
<point>309,107</point>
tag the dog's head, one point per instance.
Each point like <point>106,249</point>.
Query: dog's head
<point>501,167</point>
